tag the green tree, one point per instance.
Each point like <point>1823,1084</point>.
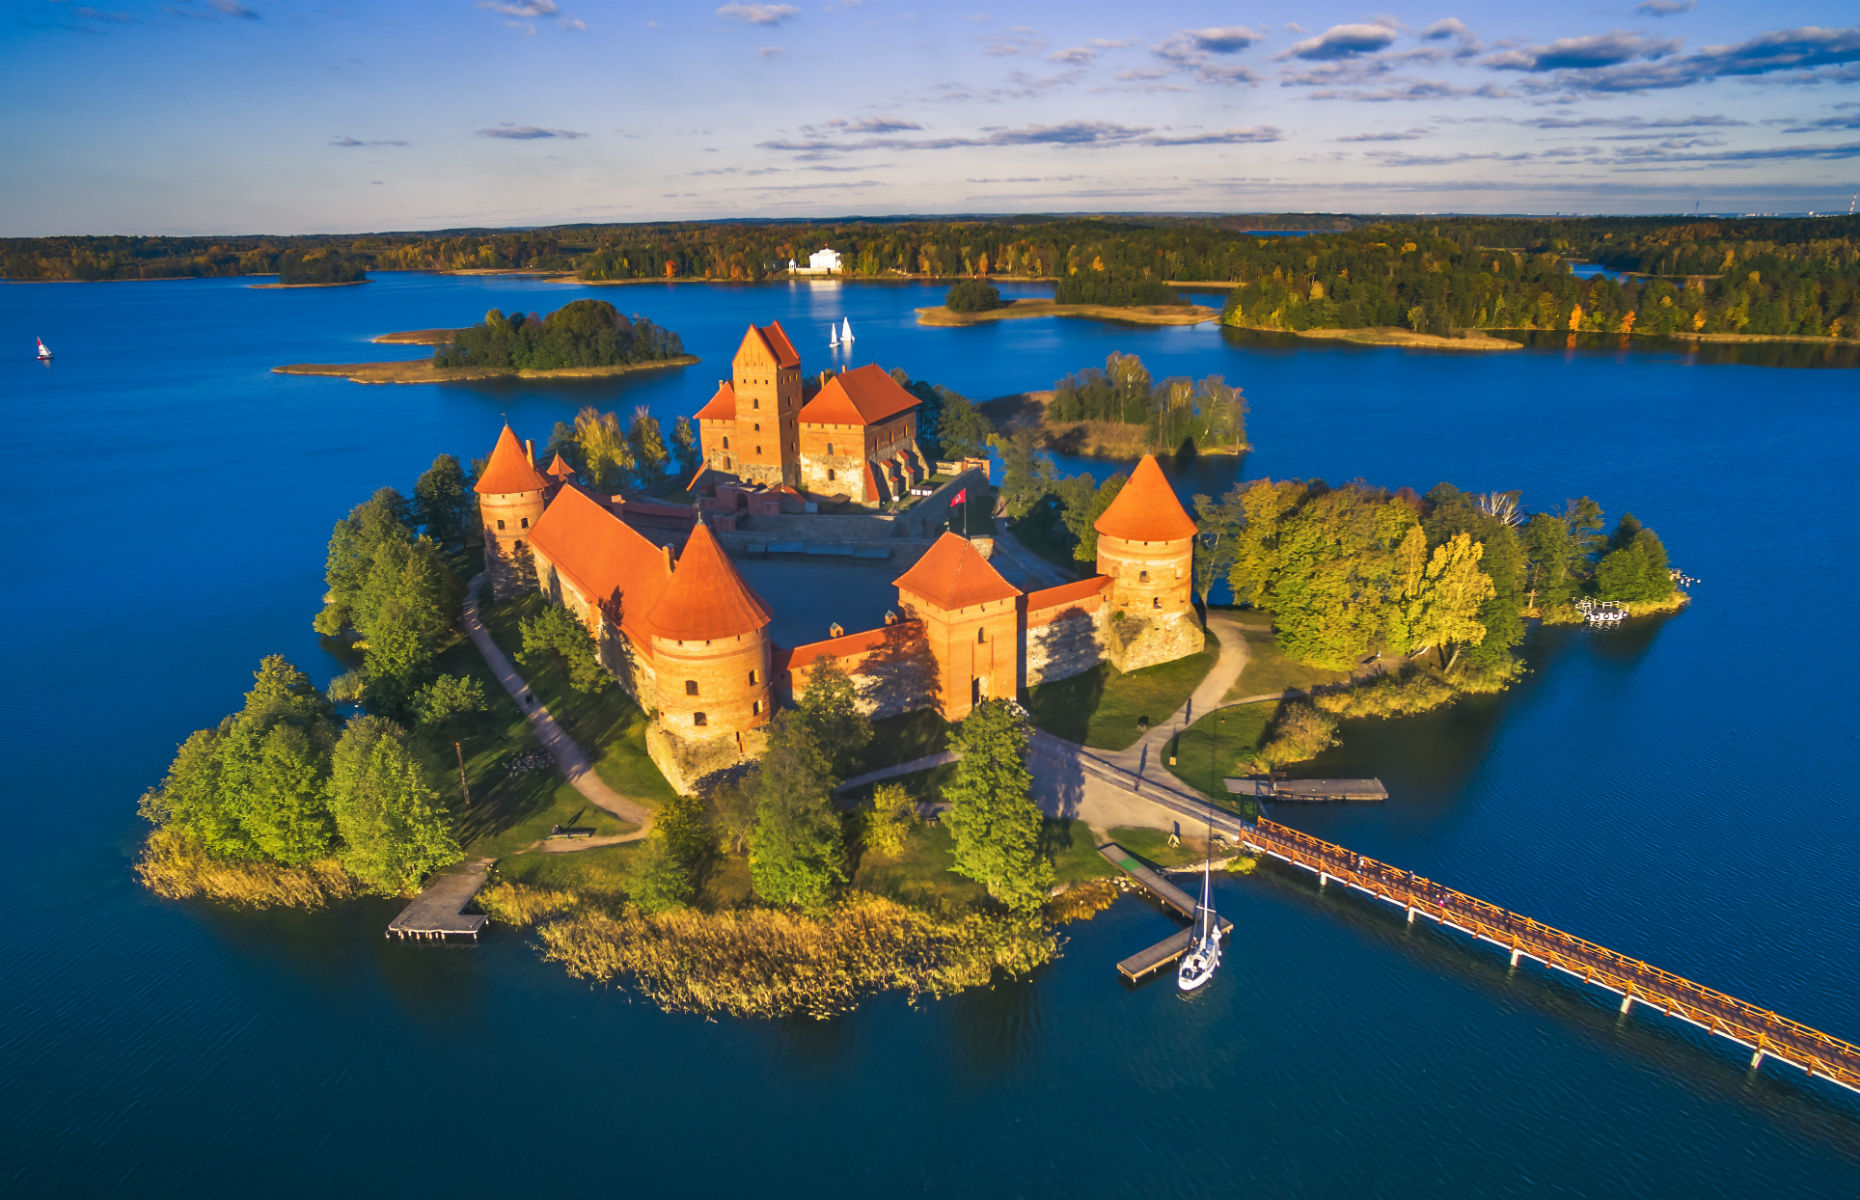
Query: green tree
<point>1637,569</point>
<point>449,698</point>
<point>1451,595</point>
<point>281,779</point>
<point>962,430</point>
<point>890,815</point>
<point>689,447</point>
<point>992,818</point>
<point>444,505</point>
<point>829,711</point>
<point>606,456</point>
<point>1217,536</point>
<point>648,443</point>
<point>395,832</point>
<point>1081,504</point>
<point>797,854</point>
<point>972,295</point>
<point>557,636</point>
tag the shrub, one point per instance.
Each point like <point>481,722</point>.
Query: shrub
<point>972,295</point>
<point>889,818</point>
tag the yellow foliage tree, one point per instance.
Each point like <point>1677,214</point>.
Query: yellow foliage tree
<point>1450,595</point>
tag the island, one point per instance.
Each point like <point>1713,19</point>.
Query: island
<point>1120,412</point>
<point>318,268</point>
<point>1157,314</point>
<point>584,339</point>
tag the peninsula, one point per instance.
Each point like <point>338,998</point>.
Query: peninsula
<point>1153,314</point>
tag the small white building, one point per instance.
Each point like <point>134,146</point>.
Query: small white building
<point>825,261</point>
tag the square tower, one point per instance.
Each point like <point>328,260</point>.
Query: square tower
<point>971,621</point>
<point>766,382</point>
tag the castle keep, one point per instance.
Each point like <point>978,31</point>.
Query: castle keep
<point>688,638</point>
<point>855,435</point>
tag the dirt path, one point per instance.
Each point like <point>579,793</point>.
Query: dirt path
<point>1206,697</point>
<point>568,756</point>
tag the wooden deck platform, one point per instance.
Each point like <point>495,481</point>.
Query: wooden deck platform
<point>439,910</point>
<point>1310,791</point>
<point>1146,962</point>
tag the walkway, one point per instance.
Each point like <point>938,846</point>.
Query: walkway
<point>568,756</point>
<point>900,769</point>
<point>1209,694</point>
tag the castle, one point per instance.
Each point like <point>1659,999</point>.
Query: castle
<point>854,435</point>
<point>687,637</point>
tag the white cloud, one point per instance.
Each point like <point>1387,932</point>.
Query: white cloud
<point>759,14</point>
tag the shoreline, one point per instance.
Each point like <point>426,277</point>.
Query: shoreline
<point>276,286</point>
<point>417,337</point>
<point>1384,335</point>
<point>1184,314</point>
<point>420,370</point>
<point>1108,440</point>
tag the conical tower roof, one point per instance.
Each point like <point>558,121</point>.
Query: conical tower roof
<point>706,598</point>
<point>559,469</point>
<point>510,469</point>
<point>1146,510</point>
<point>952,574</point>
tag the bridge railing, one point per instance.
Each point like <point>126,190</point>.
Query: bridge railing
<point>1762,1030</point>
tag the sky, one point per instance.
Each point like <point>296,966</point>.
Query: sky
<point>306,116</point>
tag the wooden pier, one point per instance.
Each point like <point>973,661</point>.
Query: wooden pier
<point>1765,1034</point>
<point>1310,791</point>
<point>1146,962</point>
<point>439,910</point>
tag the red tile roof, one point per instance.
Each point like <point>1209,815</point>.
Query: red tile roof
<point>952,574</point>
<point>862,396</point>
<point>722,406</point>
<point>1146,510</point>
<point>510,469</point>
<point>559,469</point>
<point>706,598</point>
<point>1067,593</point>
<point>851,649</point>
<point>598,552</point>
<point>774,339</point>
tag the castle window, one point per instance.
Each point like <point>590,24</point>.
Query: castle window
<point>755,708</point>
<point>690,687</point>
<point>1156,602</point>
<point>752,679</point>
<point>699,719</point>
<point>829,474</point>
<point>726,443</point>
<point>755,404</point>
<point>500,525</point>
<point>758,449</point>
<point>829,447</point>
<point>981,637</point>
<point>526,522</point>
<point>758,427</point>
<point>1143,576</point>
<point>726,462</point>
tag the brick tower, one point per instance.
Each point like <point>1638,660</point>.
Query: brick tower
<point>511,496</point>
<point>971,621</point>
<point>766,380</point>
<point>1146,545</point>
<point>711,663</point>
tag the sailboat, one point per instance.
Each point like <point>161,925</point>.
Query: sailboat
<point>846,333</point>
<point>45,355</point>
<point>1198,965</point>
<point>833,335</point>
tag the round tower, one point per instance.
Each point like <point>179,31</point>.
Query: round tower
<point>511,497</point>
<point>1146,546</point>
<point>711,654</point>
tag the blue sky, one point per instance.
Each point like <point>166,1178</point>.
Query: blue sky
<point>284,116</point>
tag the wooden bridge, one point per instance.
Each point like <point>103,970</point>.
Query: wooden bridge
<point>1758,1030</point>
<point>1146,962</point>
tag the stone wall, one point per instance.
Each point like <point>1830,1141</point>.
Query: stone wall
<point>1137,640</point>
<point>1065,642</point>
<point>687,762</point>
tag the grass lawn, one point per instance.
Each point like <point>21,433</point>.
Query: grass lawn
<point>1101,706</point>
<point>600,873</point>
<point>1069,843</point>
<point>901,738</point>
<point>1222,744</point>
<point>1269,670</point>
<point>607,724</point>
<point>1152,846</point>
<point>920,875</point>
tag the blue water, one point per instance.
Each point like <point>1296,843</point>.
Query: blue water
<point>1680,790</point>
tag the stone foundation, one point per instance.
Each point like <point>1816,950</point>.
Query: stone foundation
<point>1135,642</point>
<point>687,762</point>
<point>1067,645</point>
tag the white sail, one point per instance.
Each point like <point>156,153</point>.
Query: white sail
<point>846,333</point>
<point>833,332</point>
<point>43,352</point>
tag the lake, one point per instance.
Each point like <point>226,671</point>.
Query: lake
<point>1680,790</point>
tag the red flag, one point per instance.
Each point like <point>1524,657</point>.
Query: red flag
<point>959,498</point>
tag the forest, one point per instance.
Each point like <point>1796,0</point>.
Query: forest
<point>582,333</point>
<point>1754,276</point>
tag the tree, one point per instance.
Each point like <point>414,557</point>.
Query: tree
<point>1081,504</point>
<point>1554,572</point>
<point>280,778</point>
<point>648,443</point>
<point>557,635</point>
<point>1265,505</point>
<point>1217,535</point>
<point>675,857</point>
<point>972,295</point>
<point>1636,570</point>
<point>797,853</point>
<point>890,815</point>
<point>394,830</point>
<point>829,711</point>
<point>689,448</point>
<point>444,505</point>
<point>1454,588</point>
<point>992,818</point>
<point>733,809</point>
<point>447,698</point>
<point>606,456</point>
<point>962,430</point>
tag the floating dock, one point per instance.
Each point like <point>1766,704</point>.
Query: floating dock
<point>439,910</point>
<point>1310,791</point>
<point>1145,963</point>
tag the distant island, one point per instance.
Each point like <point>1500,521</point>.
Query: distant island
<point>1120,412</point>
<point>318,268</point>
<point>584,339</point>
<point>1092,294</point>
